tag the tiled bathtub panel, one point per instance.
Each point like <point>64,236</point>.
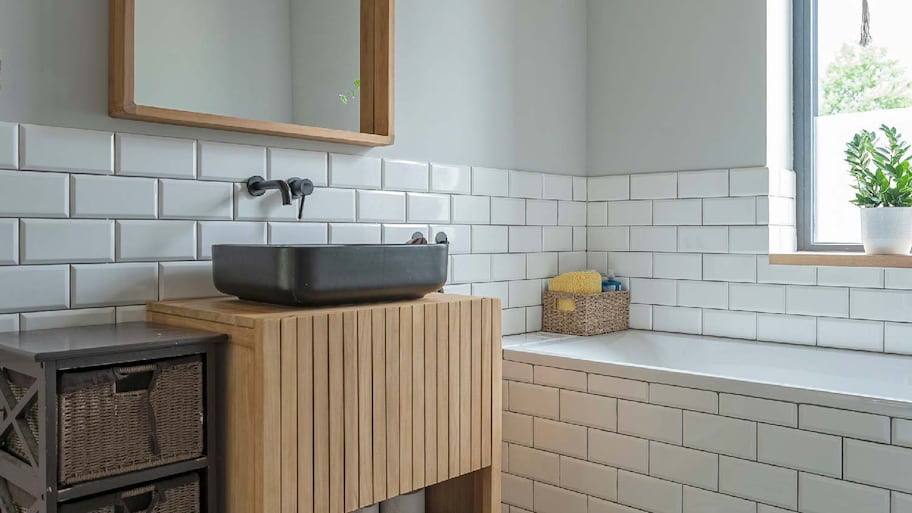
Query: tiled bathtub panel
<point>718,468</point>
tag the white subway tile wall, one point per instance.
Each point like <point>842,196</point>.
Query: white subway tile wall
<point>576,437</point>
<point>95,224</point>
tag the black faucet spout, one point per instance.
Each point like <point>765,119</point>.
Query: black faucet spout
<point>257,186</point>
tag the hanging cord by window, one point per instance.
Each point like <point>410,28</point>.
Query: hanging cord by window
<point>865,24</point>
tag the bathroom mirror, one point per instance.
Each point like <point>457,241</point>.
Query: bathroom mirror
<point>313,69</point>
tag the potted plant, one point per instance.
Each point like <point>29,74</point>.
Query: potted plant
<point>883,190</point>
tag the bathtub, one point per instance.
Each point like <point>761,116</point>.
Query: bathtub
<point>668,423</point>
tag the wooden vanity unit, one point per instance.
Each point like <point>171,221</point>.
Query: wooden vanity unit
<point>333,409</point>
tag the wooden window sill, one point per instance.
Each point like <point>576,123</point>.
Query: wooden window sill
<point>841,259</point>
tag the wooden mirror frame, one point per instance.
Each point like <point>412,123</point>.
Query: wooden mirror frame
<point>376,84</point>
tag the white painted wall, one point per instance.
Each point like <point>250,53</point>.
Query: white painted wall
<point>326,60</point>
<point>677,85</point>
<point>228,57</point>
<point>494,83</point>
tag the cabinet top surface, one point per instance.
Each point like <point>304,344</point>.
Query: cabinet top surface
<point>63,343</point>
<point>235,312</point>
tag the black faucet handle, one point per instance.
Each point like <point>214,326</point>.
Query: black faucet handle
<point>301,187</point>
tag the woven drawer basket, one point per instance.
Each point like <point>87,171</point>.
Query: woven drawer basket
<point>123,419</point>
<point>178,495</point>
<point>592,314</point>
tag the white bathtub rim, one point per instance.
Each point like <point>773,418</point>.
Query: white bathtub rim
<point>536,354</point>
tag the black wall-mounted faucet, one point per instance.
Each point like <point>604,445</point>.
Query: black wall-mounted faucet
<point>291,189</point>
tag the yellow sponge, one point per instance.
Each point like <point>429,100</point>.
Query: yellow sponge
<point>583,282</point>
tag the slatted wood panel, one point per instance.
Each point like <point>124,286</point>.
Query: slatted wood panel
<point>355,406</point>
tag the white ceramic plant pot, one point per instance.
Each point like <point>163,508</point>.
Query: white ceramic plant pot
<point>887,230</point>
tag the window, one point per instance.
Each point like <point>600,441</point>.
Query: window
<point>841,87</point>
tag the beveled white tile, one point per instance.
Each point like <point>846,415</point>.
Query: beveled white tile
<point>459,236</point>
<point>677,212</point>
<point>703,239</point>
<point>230,162</point>
<point>534,464</point>
<point>524,293</point>
<point>653,238</point>
<point>9,145</point>
<point>557,238</point>
<point>428,208</point>
<point>45,148</point>
<point>677,319</point>
<point>51,241</point>
<point>508,211</point>
<point>525,239</point>
<point>880,305</point>
<point>113,197</point>
<point>722,323</point>
<point>551,499</point>
<point>471,268</point>
<point>571,213</point>
<point>125,314</point>
<point>557,187</point>
<point>649,493</point>
<point>9,323</point>
<point>451,179</point>
<point>641,317</point>
<point>609,188</point>
<point>791,329</point>
<point>737,268</point>
<point>353,171</point>
<point>381,207</point>
<point>534,400</point>
<point>153,241</point>
<point>703,184</point>
<point>67,319</point>
<point>653,292</point>
<point>580,188</point>
<point>704,294</point>
<point>760,410</point>
<point>901,503</point>
<point>618,451</point>
<point>866,277</point>
<point>898,278</point>
<point>729,211</point>
<point>190,199</point>
<point>508,267</point>
<point>754,240</point>
<point>650,421</point>
<point>404,175</point>
<point>9,241</point>
<point>902,432</point>
<point>619,388</point>
<point>464,289</point>
<point>220,232</point>
<point>685,398</point>
<point>589,478</point>
<point>330,205</point>
<point>785,274</point>
<point>39,287</point>
<point>631,265</point>
<point>850,334</point>
<point>559,437</point>
<point>756,298</point>
<point>525,184</point>
<point>501,291</point>
<point>800,450</point>
<point>755,481</point>
<point>185,280</point>
<point>560,378</point>
<point>114,284</point>
<point>877,465</point>
<point>517,490</point>
<point>541,212</point>
<point>490,182</point>
<point>677,266</point>
<point>490,239</point>
<point>471,209</point>
<point>753,181</point>
<point>820,301</point>
<point>597,214</point>
<point>824,495</point>
<point>533,319</point>
<point>898,338</point>
<point>654,186</point>
<point>285,164</point>
<point>721,435</point>
<point>682,465</point>
<point>580,238</point>
<point>588,409</point>
<point>597,261</point>
<point>145,155</point>
<point>698,501</point>
<point>569,262</point>
<point>34,194</point>
<point>844,423</point>
<point>629,213</point>
<point>402,233</point>
<point>351,233</point>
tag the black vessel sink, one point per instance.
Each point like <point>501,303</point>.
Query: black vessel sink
<point>329,274</point>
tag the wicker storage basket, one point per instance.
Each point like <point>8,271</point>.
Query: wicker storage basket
<point>123,419</point>
<point>591,315</point>
<point>178,495</point>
